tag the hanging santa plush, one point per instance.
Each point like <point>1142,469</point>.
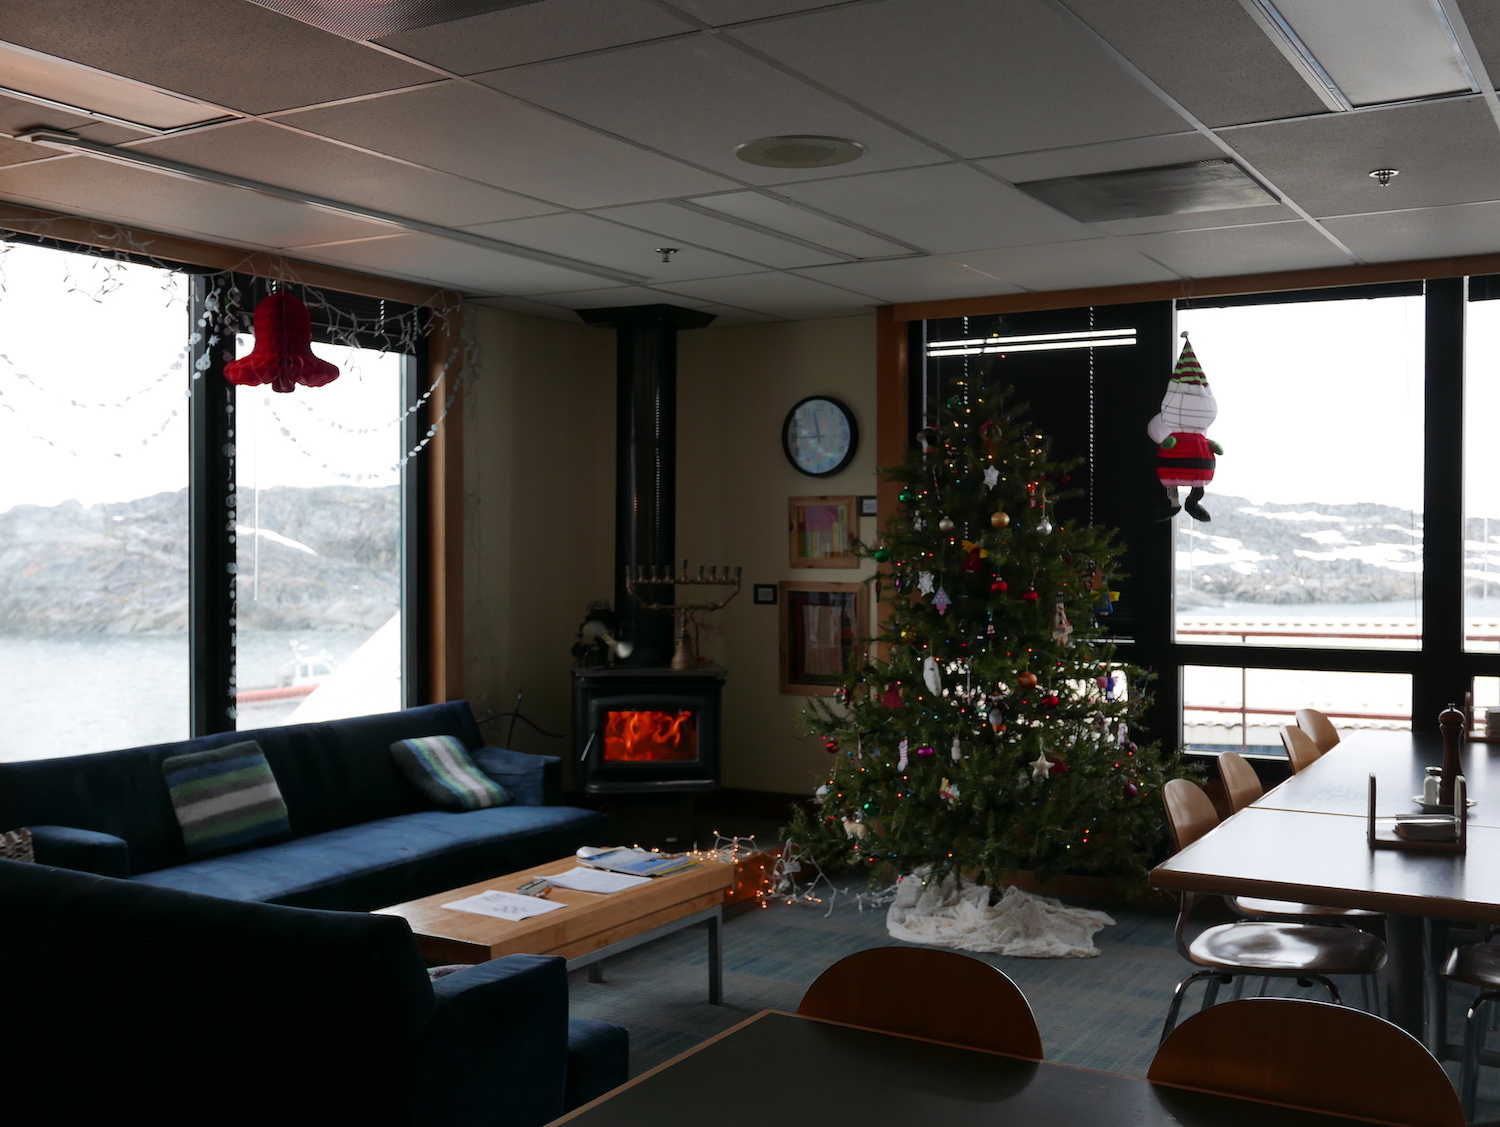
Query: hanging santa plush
<point>1185,454</point>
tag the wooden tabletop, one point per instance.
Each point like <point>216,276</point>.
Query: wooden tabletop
<point>590,921</point>
<point>800,1070</point>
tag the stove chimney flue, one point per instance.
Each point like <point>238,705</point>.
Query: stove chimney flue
<point>645,461</point>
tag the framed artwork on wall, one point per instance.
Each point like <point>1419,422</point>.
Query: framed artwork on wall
<point>821,531</point>
<point>821,627</point>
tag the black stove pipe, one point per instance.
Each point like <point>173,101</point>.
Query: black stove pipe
<point>645,462</point>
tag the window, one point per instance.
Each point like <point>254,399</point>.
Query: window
<point>1482,468</point>
<point>1228,709</point>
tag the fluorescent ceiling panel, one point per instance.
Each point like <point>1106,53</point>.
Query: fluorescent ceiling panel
<point>1173,189</point>
<point>58,83</point>
<point>1371,51</point>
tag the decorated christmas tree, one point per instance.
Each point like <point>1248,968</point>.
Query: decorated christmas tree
<point>990,729</point>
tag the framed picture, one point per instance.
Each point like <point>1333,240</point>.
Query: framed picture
<point>869,506</point>
<point>822,531</point>
<point>765,594</point>
<point>821,627</point>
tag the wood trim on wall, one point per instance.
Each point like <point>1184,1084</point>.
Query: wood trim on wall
<point>445,507</point>
<point>1453,267</point>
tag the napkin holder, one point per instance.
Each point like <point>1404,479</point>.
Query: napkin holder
<point>1381,832</point>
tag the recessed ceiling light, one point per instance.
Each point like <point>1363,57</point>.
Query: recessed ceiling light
<point>799,152</point>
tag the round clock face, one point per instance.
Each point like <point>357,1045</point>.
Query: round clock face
<point>820,436</point>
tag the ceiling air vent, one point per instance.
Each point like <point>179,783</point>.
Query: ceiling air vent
<point>1171,189</point>
<point>374,19</point>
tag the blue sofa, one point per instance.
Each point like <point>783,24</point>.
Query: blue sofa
<point>127,1003</point>
<point>362,836</point>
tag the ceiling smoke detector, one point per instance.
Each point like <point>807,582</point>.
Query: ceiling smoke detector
<point>799,152</point>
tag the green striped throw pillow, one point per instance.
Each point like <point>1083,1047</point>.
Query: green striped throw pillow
<point>442,769</point>
<point>225,799</point>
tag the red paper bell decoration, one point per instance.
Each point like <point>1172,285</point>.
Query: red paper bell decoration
<point>282,356</point>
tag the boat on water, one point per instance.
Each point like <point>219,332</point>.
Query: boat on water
<point>295,679</point>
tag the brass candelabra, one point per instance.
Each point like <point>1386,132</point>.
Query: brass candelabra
<point>661,575</point>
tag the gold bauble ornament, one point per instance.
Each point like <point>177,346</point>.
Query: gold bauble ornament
<point>908,635</point>
<point>1000,519</point>
<point>946,524</point>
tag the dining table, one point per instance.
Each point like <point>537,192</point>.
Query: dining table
<point>792,1069</point>
<point>1305,840</point>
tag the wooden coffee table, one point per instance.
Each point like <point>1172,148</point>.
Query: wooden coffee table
<point>593,926</point>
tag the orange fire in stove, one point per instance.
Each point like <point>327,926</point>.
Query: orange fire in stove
<point>647,737</point>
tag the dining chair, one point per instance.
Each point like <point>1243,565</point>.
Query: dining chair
<point>1319,727</point>
<point>1242,785</point>
<point>1310,1055</point>
<point>1264,948</point>
<point>933,994</point>
<point>1474,964</point>
<point>1301,752</point>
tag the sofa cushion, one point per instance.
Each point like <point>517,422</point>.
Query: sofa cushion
<point>391,860</point>
<point>440,767</point>
<point>225,798</point>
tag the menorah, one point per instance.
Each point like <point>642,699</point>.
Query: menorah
<point>661,575</point>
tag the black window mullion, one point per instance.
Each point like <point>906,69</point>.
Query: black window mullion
<point>211,519</point>
<point>1442,676</point>
<point>416,682</point>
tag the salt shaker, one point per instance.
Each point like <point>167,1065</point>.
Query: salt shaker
<point>1431,786</point>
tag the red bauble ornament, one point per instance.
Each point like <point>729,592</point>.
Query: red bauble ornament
<point>1131,790</point>
<point>1030,597</point>
<point>1059,767</point>
<point>892,698</point>
<point>282,356</point>
<point>1050,701</point>
<point>999,586</point>
<point>1026,680</point>
<point>831,746</point>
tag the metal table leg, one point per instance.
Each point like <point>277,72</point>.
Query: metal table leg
<point>1438,943</point>
<point>716,958</point>
<point>1406,973</point>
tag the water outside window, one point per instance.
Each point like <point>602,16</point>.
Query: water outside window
<point>318,542</point>
<point>1316,536</point>
<point>1242,709</point>
<point>93,504</point>
<point>1482,478</point>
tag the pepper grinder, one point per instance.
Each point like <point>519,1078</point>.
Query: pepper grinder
<point>1451,723</point>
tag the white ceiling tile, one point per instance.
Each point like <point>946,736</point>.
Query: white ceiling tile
<point>982,77</point>
<point>1430,232</point>
<point>911,279</point>
<point>947,208</point>
<point>1208,54</point>
<point>452,265</point>
<point>1240,250</point>
<point>780,295</point>
<point>602,243</point>
<point>615,296</point>
<point>1447,152</point>
<point>789,219</point>
<point>730,315</point>
<point>495,139</point>
<point>533,32</point>
<point>291,160</point>
<point>223,51</point>
<point>672,221</point>
<point>1064,266</point>
<point>721,12</point>
<point>1108,156</point>
<point>527,305</point>
<point>697,98</point>
<point>1482,17</point>
<point>151,199</point>
<point>1195,220</point>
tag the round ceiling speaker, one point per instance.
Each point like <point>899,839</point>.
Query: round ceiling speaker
<point>799,152</point>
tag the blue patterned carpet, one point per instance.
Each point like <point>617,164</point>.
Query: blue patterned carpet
<point>1102,1013</point>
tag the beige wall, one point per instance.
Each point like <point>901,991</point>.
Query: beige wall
<point>539,476</point>
<point>735,386</point>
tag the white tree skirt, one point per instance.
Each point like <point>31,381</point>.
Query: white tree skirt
<point>954,913</point>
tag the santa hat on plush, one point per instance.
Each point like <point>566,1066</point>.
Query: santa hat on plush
<point>1185,454</point>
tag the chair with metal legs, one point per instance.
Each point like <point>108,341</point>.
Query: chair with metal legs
<point>1267,949</point>
<point>1474,964</point>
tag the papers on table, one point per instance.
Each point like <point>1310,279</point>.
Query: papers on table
<point>595,880</point>
<point>504,905</point>
<point>636,862</point>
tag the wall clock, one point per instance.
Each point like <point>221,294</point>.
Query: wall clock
<point>820,436</point>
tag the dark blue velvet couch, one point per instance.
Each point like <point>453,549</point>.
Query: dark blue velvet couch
<point>128,1003</point>
<point>362,836</point>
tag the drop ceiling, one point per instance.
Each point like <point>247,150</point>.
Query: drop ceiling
<point>597,131</point>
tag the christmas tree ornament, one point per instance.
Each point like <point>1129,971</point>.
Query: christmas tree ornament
<point>1026,679</point>
<point>282,356</point>
<point>941,602</point>
<point>881,555</point>
<point>991,477</point>
<point>1062,629</point>
<point>892,697</point>
<point>945,524</point>
<point>997,719</point>
<point>931,676</point>
<point>901,756</point>
<point>1044,527</point>
<point>1030,596</point>
<point>1041,767</point>
<point>831,746</point>
<point>1051,701</point>
<point>927,438</point>
<point>871,808</point>
<point>1000,519</point>
<point>821,794</point>
<point>855,829</point>
<point>926,582</point>
<point>906,496</point>
<point>1058,766</point>
<point>1185,453</point>
<point>948,791</point>
<point>918,524</point>
<point>973,555</point>
<point>925,752</point>
<point>955,752</point>
<point>908,634</point>
<point>999,586</point>
<point>1131,789</point>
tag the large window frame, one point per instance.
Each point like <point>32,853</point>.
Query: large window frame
<point>1442,670</point>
